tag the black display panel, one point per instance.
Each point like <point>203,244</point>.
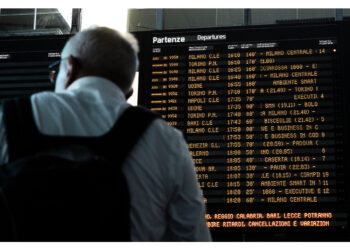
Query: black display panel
<point>24,63</point>
<point>264,110</point>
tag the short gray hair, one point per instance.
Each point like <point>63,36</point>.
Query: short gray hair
<point>107,53</point>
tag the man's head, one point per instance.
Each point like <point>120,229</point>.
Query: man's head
<point>99,51</point>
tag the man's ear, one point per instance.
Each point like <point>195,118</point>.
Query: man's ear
<point>73,69</point>
<point>129,93</point>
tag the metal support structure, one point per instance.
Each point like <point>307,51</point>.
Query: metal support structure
<point>34,23</point>
<point>297,14</point>
<point>338,14</point>
<point>76,21</point>
<point>159,19</point>
<point>247,16</point>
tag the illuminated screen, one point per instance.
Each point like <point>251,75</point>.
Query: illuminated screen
<point>24,63</point>
<point>263,110</point>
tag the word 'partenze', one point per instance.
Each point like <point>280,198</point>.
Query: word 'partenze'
<point>169,39</point>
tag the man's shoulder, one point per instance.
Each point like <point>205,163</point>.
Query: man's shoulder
<point>46,102</point>
<point>164,139</point>
<point>46,96</point>
<point>162,127</point>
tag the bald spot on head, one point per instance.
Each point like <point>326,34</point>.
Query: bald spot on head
<point>105,52</point>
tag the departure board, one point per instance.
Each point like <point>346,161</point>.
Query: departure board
<point>262,110</point>
<point>24,62</point>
